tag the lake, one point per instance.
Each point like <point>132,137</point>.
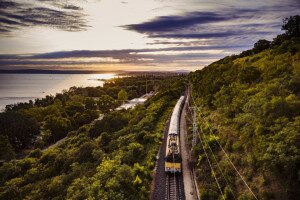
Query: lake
<point>16,88</point>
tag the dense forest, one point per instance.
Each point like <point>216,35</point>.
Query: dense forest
<point>249,105</point>
<point>44,121</point>
<point>111,157</point>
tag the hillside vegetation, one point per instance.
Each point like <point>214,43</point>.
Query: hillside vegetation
<point>250,105</point>
<point>42,122</point>
<point>110,158</point>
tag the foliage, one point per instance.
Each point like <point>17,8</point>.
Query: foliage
<point>19,128</point>
<point>292,26</point>
<point>106,103</point>
<point>58,126</point>
<point>122,95</point>
<point>44,121</point>
<point>6,150</point>
<point>109,158</point>
<point>261,45</point>
<point>250,103</point>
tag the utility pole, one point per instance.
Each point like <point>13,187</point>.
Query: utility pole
<point>146,86</point>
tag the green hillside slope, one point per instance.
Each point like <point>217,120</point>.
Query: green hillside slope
<point>250,104</point>
<point>112,158</point>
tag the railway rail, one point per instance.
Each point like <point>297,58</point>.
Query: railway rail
<point>168,183</point>
<point>174,187</point>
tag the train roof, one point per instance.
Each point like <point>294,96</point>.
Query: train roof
<point>173,127</point>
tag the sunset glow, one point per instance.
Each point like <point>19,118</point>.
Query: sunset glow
<point>133,34</point>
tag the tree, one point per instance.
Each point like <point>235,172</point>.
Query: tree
<point>56,186</point>
<point>292,26</point>
<point>249,74</point>
<point>78,189</point>
<point>90,103</point>
<point>137,180</point>
<point>261,45</point>
<point>122,95</point>
<point>106,103</point>
<point>48,100</point>
<point>19,128</point>
<point>6,150</point>
<point>132,94</point>
<point>135,151</point>
<point>84,153</point>
<point>73,107</point>
<point>111,122</point>
<point>58,126</point>
<point>54,109</point>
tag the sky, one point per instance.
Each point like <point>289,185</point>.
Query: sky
<point>133,35</point>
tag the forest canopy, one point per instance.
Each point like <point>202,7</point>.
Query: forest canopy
<point>106,157</point>
<point>251,104</point>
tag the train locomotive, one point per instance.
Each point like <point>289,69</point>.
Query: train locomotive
<point>173,156</point>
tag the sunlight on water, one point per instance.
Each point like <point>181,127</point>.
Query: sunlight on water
<point>23,87</point>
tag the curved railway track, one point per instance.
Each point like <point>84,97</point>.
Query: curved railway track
<point>169,185</point>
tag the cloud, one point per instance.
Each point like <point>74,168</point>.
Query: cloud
<point>7,4</point>
<point>197,33</point>
<point>209,35</point>
<point>173,23</point>
<point>15,15</point>
<point>193,21</point>
<point>71,7</point>
<point>135,57</point>
<point>218,23</point>
<point>121,54</point>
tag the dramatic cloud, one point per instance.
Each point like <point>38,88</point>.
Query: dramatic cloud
<point>120,54</point>
<point>137,33</point>
<point>16,15</point>
<point>173,23</point>
<point>210,35</point>
<point>222,23</point>
<point>153,57</point>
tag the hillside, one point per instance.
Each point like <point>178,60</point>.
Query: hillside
<point>109,158</point>
<point>250,105</point>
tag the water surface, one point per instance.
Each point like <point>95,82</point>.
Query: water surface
<point>16,88</point>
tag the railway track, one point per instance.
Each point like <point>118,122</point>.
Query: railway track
<point>173,187</point>
<point>168,182</point>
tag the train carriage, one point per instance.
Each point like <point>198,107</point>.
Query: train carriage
<point>173,156</point>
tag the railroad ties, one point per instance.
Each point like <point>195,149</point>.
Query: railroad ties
<point>168,181</point>
<point>174,187</point>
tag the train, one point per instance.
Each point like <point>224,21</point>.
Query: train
<point>173,154</point>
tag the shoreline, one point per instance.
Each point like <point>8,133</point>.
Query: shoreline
<point>38,86</point>
<point>116,73</point>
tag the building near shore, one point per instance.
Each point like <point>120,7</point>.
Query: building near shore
<point>136,101</point>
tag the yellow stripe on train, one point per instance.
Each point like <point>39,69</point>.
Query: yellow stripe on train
<point>172,167</point>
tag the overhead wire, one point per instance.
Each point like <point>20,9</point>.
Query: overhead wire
<point>212,170</point>
<point>211,132</point>
<point>210,165</point>
<point>214,158</point>
<point>226,181</point>
<point>220,169</point>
